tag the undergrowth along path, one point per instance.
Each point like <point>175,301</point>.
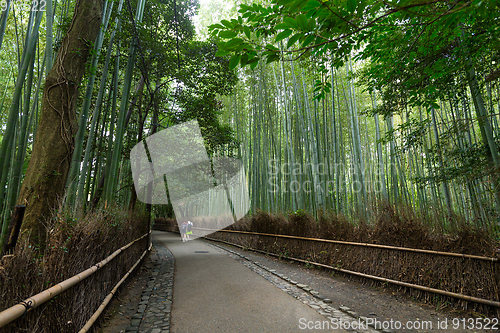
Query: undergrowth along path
<point>360,300</point>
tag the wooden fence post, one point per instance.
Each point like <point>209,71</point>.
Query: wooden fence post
<point>15,225</point>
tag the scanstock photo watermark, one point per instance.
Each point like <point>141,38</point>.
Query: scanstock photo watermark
<point>444,324</point>
<point>211,193</point>
<point>317,177</point>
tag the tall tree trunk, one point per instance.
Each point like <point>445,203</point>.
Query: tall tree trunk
<point>49,165</point>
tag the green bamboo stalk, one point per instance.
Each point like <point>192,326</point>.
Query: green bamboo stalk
<point>336,155</point>
<point>120,130</point>
<point>492,110</point>
<point>288,134</point>
<point>446,188</point>
<point>14,108</point>
<point>357,141</point>
<point>49,18</point>
<point>381,171</point>
<point>72,180</point>
<point>15,181</point>
<point>394,177</point>
<point>34,106</point>
<point>468,140</point>
<point>3,99</point>
<point>313,147</point>
<point>3,21</point>
<point>109,154</point>
<point>342,161</point>
<point>97,108</point>
<point>5,215</point>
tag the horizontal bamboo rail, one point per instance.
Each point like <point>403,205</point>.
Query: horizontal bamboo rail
<point>18,310</point>
<point>108,298</point>
<point>388,247</point>
<point>399,283</point>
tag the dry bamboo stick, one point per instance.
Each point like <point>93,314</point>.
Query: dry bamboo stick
<point>18,310</point>
<point>108,298</point>
<point>470,256</point>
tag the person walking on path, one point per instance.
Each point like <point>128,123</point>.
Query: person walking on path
<point>183,228</point>
<point>189,228</point>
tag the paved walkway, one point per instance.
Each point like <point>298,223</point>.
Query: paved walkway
<point>154,309</point>
<point>218,290</point>
<point>215,293</point>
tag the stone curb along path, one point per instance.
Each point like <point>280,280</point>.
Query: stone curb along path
<point>155,307</point>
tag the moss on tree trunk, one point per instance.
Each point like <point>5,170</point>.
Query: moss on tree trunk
<point>43,186</point>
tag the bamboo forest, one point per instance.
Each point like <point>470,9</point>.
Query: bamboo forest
<point>396,108</point>
<point>339,110</point>
<point>393,104</point>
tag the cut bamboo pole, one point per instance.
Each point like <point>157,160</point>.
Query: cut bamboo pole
<point>388,247</point>
<point>18,310</point>
<point>108,298</point>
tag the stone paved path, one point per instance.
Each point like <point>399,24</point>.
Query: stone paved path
<point>153,314</point>
<point>301,292</point>
<point>214,292</point>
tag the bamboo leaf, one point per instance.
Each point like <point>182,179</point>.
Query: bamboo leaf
<point>215,26</point>
<point>302,21</point>
<point>311,24</point>
<point>272,57</point>
<point>280,26</point>
<point>221,53</point>
<point>253,63</point>
<point>244,59</point>
<point>271,47</point>
<point>312,4</point>
<point>296,5</point>
<point>227,24</point>
<point>351,5</point>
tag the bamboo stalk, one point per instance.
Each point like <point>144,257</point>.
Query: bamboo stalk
<point>120,125</point>
<point>49,19</point>
<point>14,108</point>
<point>81,199</point>
<point>72,180</point>
<point>17,166</point>
<point>3,22</point>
